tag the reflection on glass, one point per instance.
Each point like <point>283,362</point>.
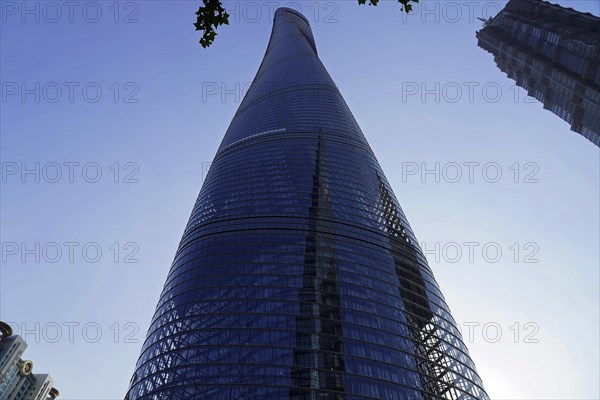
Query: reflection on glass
<point>298,276</point>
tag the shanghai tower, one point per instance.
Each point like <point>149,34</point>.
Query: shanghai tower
<point>298,276</point>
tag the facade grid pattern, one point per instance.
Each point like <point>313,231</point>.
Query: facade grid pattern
<point>298,276</point>
<point>554,53</point>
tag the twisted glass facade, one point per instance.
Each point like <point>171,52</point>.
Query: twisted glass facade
<point>298,276</point>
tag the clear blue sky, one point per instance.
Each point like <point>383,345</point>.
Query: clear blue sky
<point>547,309</point>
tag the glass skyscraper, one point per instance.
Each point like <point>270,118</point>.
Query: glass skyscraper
<point>298,276</point>
<point>554,53</point>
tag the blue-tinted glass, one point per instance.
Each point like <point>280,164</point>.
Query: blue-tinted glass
<point>298,276</point>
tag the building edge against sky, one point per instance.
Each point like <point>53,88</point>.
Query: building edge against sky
<point>17,382</point>
<point>553,52</point>
<point>298,275</point>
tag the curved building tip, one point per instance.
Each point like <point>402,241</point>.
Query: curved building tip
<point>286,14</point>
<point>283,12</point>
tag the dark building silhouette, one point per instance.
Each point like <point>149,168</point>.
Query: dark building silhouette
<point>298,276</point>
<point>554,53</point>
